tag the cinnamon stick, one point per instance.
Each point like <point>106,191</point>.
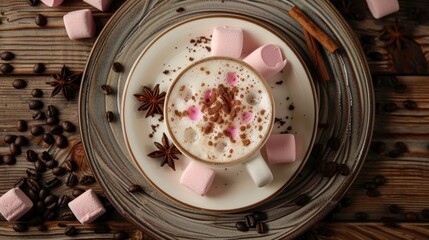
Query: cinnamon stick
<point>313,29</point>
<point>316,57</point>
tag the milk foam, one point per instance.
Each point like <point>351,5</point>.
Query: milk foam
<point>236,114</point>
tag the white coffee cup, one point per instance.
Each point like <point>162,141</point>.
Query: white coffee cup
<point>219,111</point>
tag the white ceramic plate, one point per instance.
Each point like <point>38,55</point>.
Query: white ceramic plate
<point>162,60</point>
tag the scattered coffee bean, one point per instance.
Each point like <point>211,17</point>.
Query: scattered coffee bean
<point>32,173</point>
<point>40,166</point>
<point>20,227</point>
<point>344,170</point>
<point>63,201</point>
<point>21,125</point>
<point>302,200</point>
<point>68,126</point>
<point>9,138</point>
<point>250,221</point>
<point>36,130</point>
<point>9,159</point>
<point>411,216</point>
<point>6,68</point>
<point>21,141</point>
<point>71,180</point>
<point>40,20</point>
<point>361,216</point>
<point>101,228</point>
<point>33,2</point>
<point>87,180</point>
<point>43,193</point>
<point>45,156</point>
<point>54,182</point>
<point>52,111</point>
<point>400,88</point>
<point>329,169</point>
<point>120,235</point>
<point>135,188</point>
<point>51,164</point>
<point>378,147</point>
<point>39,68</point>
<point>49,215</point>
<point>61,141</point>
<point>410,104</point>
<point>14,150</point>
<point>50,201</point>
<point>33,185</point>
<point>35,104</point>
<point>109,116</point>
<point>373,193</point>
<point>77,192</point>
<point>259,216</point>
<point>394,153</point>
<point>58,171</point>
<point>37,93</point>
<point>389,221</point>
<point>56,130</point>
<point>38,115</point>
<point>67,216</point>
<point>180,9</point>
<point>48,138</point>
<point>117,67</point>
<point>42,228</point>
<point>394,208</point>
<point>21,183</point>
<point>379,180</point>
<point>32,194</point>
<point>370,186</point>
<point>241,226</point>
<point>40,206</point>
<point>70,165</point>
<point>52,120</point>
<point>390,107</point>
<point>7,56</point>
<point>19,83</point>
<point>106,89</point>
<point>261,227</point>
<point>401,147</point>
<point>70,231</point>
<point>334,143</point>
<point>425,213</point>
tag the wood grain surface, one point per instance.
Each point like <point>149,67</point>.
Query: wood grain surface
<point>407,173</point>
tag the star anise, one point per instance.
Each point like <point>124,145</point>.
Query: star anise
<point>66,82</point>
<point>167,151</point>
<point>153,101</point>
<point>395,35</point>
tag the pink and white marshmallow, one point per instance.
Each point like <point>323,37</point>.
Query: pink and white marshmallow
<point>281,148</point>
<point>381,8</point>
<point>102,5</point>
<point>79,24</point>
<point>52,3</point>
<point>198,178</point>
<point>87,207</point>
<point>267,60</point>
<point>227,41</point>
<point>194,113</point>
<point>14,204</point>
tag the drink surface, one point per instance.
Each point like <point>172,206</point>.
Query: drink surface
<point>219,111</point>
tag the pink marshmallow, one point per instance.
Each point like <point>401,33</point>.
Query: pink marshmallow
<point>79,24</point>
<point>227,41</point>
<point>194,113</point>
<point>381,8</point>
<point>197,178</point>
<point>232,78</point>
<point>246,117</point>
<point>14,203</point>
<point>87,207</point>
<point>208,95</point>
<point>281,148</point>
<point>233,132</point>
<point>267,60</point>
<point>52,3</point>
<point>102,5</point>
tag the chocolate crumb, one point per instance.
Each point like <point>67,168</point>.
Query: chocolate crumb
<point>180,9</point>
<point>279,82</point>
<point>166,72</point>
<point>291,107</point>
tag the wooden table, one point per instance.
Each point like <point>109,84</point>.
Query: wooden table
<point>402,101</point>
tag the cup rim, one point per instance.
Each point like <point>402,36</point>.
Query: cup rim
<point>212,163</point>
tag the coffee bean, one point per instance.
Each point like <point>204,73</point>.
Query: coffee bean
<point>71,180</point>
<point>329,169</point>
<point>361,216</point>
<point>21,125</point>
<point>52,111</point>
<point>135,188</point>
<point>21,141</point>
<point>38,115</point>
<point>241,226</point>
<point>401,147</point>
<point>261,227</point>
<point>390,107</point>
<point>63,201</point>
<point>109,116</point>
<point>50,201</point>
<point>302,200</point>
<point>394,208</point>
<point>40,20</point>
<point>77,192</point>
<point>6,68</point>
<point>43,193</point>
<point>389,221</point>
<point>344,170</point>
<point>106,89</point>
<point>117,67</point>
<point>87,180</point>
<point>20,227</point>
<point>400,88</point>
<point>70,231</point>
<point>411,216</point>
<point>70,165</point>
<point>101,228</point>
<point>259,216</point>
<point>21,183</point>
<point>9,138</point>
<point>58,171</point>
<point>40,166</point>
<point>42,228</point>
<point>40,207</point>
<point>45,156</point>
<point>378,147</point>
<point>334,143</point>
<point>250,221</point>
<point>373,193</point>
<point>61,141</point>
<point>7,56</point>
<point>370,186</point>
<point>51,164</point>
<point>425,213</point>
<point>410,104</point>
<point>67,216</point>
<point>32,173</point>
<point>379,180</point>
<point>180,9</point>
<point>37,93</point>
<point>14,150</point>
<point>36,130</point>
<point>39,68</point>
<point>49,215</point>
<point>48,138</point>
<point>52,120</point>
<point>32,194</point>
<point>68,126</point>
<point>33,185</point>
<point>9,159</point>
<point>54,182</point>
<point>33,2</point>
<point>19,83</point>
<point>394,153</point>
<point>35,104</point>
